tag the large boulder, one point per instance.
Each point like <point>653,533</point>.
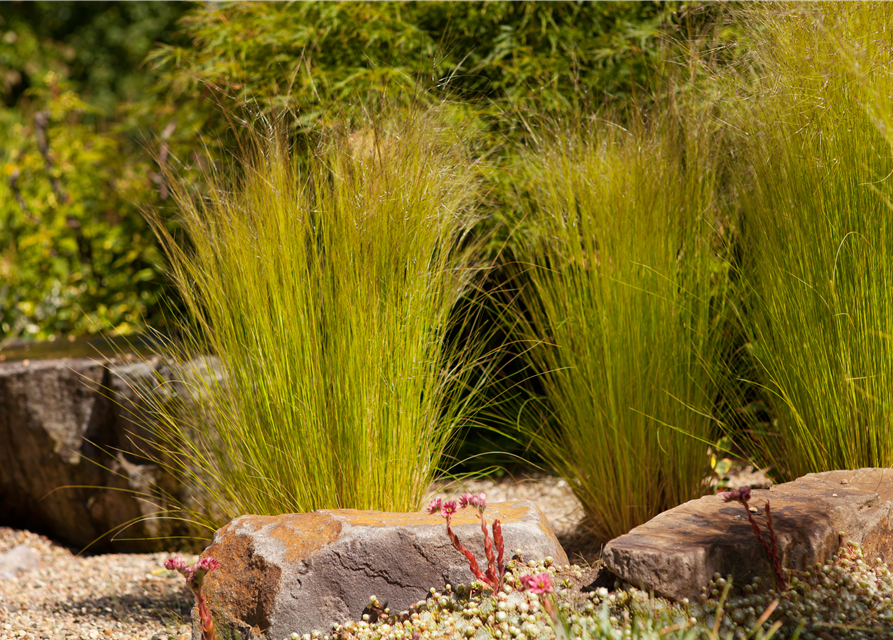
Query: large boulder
<point>676,553</point>
<point>297,573</point>
<point>71,465</point>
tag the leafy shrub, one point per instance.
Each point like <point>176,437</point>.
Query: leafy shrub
<point>76,256</point>
<point>311,58</point>
<point>316,58</point>
<point>98,48</point>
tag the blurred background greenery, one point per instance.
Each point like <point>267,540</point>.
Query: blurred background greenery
<point>96,96</point>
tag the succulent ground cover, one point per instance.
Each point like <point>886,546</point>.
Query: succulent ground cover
<point>848,598</point>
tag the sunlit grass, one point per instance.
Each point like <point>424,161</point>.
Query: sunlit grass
<point>324,288</point>
<point>816,232</point>
<point>620,260</point>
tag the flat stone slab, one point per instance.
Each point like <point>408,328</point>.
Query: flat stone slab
<point>297,573</point>
<point>676,553</point>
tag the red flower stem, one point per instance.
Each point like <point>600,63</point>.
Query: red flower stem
<point>472,561</point>
<point>756,529</point>
<point>488,551</point>
<point>547,605</point>
<point>208,632</point>
<point>500,551</point>
<point>776,561</point>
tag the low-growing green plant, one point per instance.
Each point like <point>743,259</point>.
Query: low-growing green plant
<point>621,260</point>
<point>817,243</point>
<point>847,598</point>
<point>323,291</point>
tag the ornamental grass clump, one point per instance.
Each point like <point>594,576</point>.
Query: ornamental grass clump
<point>621,262</point>
<point>314,372</point>
<point>817,305</point>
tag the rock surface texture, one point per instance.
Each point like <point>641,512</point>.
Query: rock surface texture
<point>297,573</point>
<point>676,553</point>
<point>70,466</point>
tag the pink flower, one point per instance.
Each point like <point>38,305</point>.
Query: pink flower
<point>434,506</point>
<point>207,564</point>
<point>199,569</point>
<point>537,584</point>
<point>448,508</point>
<point>479,501</point>
<point>742,495</point>
<point>194,573</point>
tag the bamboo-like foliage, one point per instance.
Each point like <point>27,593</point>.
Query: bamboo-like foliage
<point>624,292</point>
<point>817,234</point>
<point>324,290</point>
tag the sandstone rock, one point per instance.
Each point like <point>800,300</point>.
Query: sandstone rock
<point>676,553</point>
<point>295,573</point>
<point>69,467</point>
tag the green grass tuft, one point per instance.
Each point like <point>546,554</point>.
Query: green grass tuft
<point>324,288</point>
<point>816,233</point>
<point>624,284</point>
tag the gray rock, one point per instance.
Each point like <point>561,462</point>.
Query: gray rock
<point>17,561</point>
<point>299,572</point>
<point>70,466</point>
<point>676,553</point>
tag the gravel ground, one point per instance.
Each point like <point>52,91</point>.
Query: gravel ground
<point>124,596</point>
<point>116,596</point>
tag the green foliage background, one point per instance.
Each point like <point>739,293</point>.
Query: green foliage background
<point>114,77</point>
<point>76,256</point>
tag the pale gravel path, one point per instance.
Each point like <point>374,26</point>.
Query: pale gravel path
<point>114,596</point>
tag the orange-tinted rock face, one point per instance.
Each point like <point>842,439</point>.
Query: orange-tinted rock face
<point>299,572</point>
<point>677,553</point>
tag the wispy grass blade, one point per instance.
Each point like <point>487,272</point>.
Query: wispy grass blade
<point>624,275</point>
<point>323,288</point>
<point>816,234</point>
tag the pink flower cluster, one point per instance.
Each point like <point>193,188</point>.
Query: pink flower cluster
<point>741,495</point>
<point>495,563</point>
<point>195,575</point>
<point>446,507</point>
<point>538,584</point>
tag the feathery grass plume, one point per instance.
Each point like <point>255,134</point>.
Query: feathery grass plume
<point>314,372</point>
<point>624,282</point>
<point>816,234</point>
